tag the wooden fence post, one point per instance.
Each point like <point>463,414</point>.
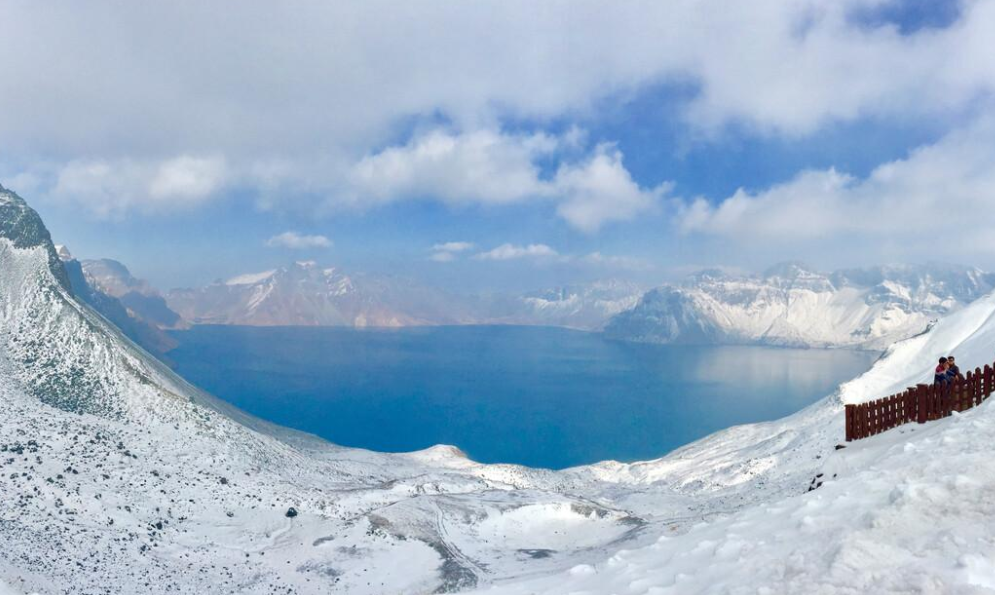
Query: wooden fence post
<point>976,388</point>
<point>923,413</point>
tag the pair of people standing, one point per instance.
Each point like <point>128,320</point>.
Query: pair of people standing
<point>947,371</point>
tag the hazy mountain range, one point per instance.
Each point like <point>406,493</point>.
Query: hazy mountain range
<point>788,305</point>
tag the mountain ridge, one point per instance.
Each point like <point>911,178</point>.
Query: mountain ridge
<point>306,294</point>
<point>795,306</point>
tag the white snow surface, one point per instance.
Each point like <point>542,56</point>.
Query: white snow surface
<point>116,476</point>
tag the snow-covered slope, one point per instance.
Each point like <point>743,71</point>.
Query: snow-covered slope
<point>118,477</point>
<point>147,334</point>
<point>908,511</point>
<point>790,305</point>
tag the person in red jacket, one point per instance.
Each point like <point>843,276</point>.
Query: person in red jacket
<point>940,375</point>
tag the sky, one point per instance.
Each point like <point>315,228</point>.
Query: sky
<point>503,144</point>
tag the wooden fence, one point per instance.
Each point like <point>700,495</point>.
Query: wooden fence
<point>921,403</point>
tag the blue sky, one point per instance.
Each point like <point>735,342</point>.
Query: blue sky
<point>507,145</point>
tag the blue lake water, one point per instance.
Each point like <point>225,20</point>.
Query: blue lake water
<point>538,396</point>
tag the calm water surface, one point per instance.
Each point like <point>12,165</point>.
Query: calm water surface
<point>538,396</point>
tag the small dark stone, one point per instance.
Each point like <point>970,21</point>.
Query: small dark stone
<point>840,446</point>
<point>291,512</point>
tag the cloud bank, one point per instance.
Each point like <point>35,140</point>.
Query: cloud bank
<point>940,200</point>
<point>305,100</point>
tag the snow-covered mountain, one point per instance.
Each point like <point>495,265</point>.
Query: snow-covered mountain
<point>585,307</point>
<point>118,477</point>
<point>305,294</point>
<point>792,305</point>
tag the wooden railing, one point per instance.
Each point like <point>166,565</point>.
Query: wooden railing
<point>921,403</point>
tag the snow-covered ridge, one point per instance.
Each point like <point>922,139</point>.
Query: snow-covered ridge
<point>791,305</point>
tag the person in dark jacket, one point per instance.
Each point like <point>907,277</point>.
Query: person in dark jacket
<point>940,375</point>
<point>953,372</point>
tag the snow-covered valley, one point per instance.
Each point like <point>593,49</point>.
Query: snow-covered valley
<point>117,476</point>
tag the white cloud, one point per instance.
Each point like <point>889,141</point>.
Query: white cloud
<point>482,166</point>
<point>492,168</point>
<point>163,81</point>
<point>453,246</point>
<point>442,257</point>
<point>187,178</point>
<point>296,241</point>
<point>787,66</point>
<point>447,251</point>
<point>113,188</point>
<point>601,190</point>
<point>515,252</point>
<point>939,200</point>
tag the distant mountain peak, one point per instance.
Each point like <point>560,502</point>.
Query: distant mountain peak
<point>64,253</point>
<point>250,278</point>
<point>790,270</point>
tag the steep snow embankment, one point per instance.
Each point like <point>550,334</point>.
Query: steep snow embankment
<point>908,511</point>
